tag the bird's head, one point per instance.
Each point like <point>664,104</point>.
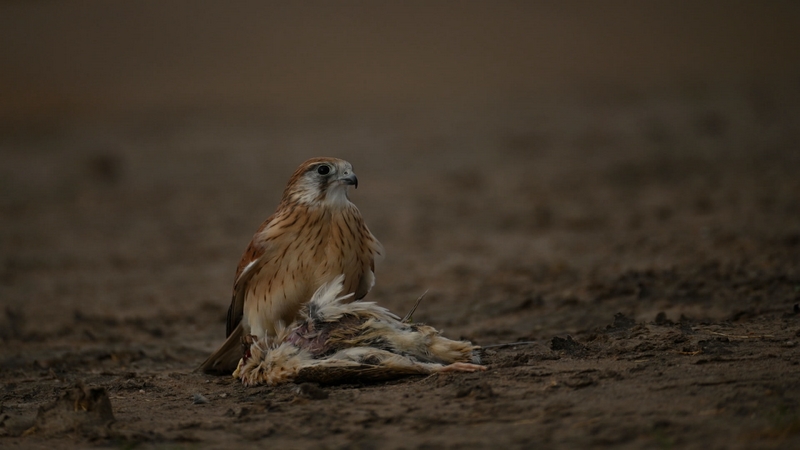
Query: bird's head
<point>321,181</point>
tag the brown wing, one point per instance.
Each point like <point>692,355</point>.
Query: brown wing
<point>251,260</point>
<point>375,253</point>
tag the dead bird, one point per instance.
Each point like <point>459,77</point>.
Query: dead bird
<point>335,341</point>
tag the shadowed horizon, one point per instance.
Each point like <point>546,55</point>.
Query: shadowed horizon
<point>91,59</point>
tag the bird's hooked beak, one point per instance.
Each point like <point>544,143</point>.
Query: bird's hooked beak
<point>350,179</point>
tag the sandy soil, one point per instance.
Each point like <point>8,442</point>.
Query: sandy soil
<point>647,244</point>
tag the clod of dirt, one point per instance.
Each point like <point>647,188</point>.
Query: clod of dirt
<point>78,409</point>
<point>621,323</point>
<point>686,326</point>
<point>568,346</point>
<point>311,391</point>
<point>661,319</point>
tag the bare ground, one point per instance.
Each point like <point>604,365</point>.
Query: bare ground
<point>646,245</point>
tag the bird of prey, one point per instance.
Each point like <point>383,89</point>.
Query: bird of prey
<point>351,342</point>
<point>315,235</point>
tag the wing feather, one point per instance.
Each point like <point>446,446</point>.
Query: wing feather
<point>257,253</point>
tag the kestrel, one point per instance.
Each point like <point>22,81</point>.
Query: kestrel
<point>315,235</point>
<point>333,341</point>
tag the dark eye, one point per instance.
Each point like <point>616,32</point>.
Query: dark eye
<point>323,170</point>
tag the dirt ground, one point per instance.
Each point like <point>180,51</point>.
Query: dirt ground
<point>646,245</point>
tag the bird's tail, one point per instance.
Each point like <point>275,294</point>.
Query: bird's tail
<point>225,360</point>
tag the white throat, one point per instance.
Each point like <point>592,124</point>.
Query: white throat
<point>337,197</point>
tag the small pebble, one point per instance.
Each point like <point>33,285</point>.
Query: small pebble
<point>223,395</point>
<point>311,391</point>
<point>141,391</point>
<point>199,399</point>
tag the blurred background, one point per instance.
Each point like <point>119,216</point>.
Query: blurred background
<point>91,59</point>
<point>511,154</point>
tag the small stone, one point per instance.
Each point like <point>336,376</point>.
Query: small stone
<point>199,399</point>
<point>311,391</point>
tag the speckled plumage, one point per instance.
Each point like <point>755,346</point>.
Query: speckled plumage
<point>315,235</point>
<point>337,341</point>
